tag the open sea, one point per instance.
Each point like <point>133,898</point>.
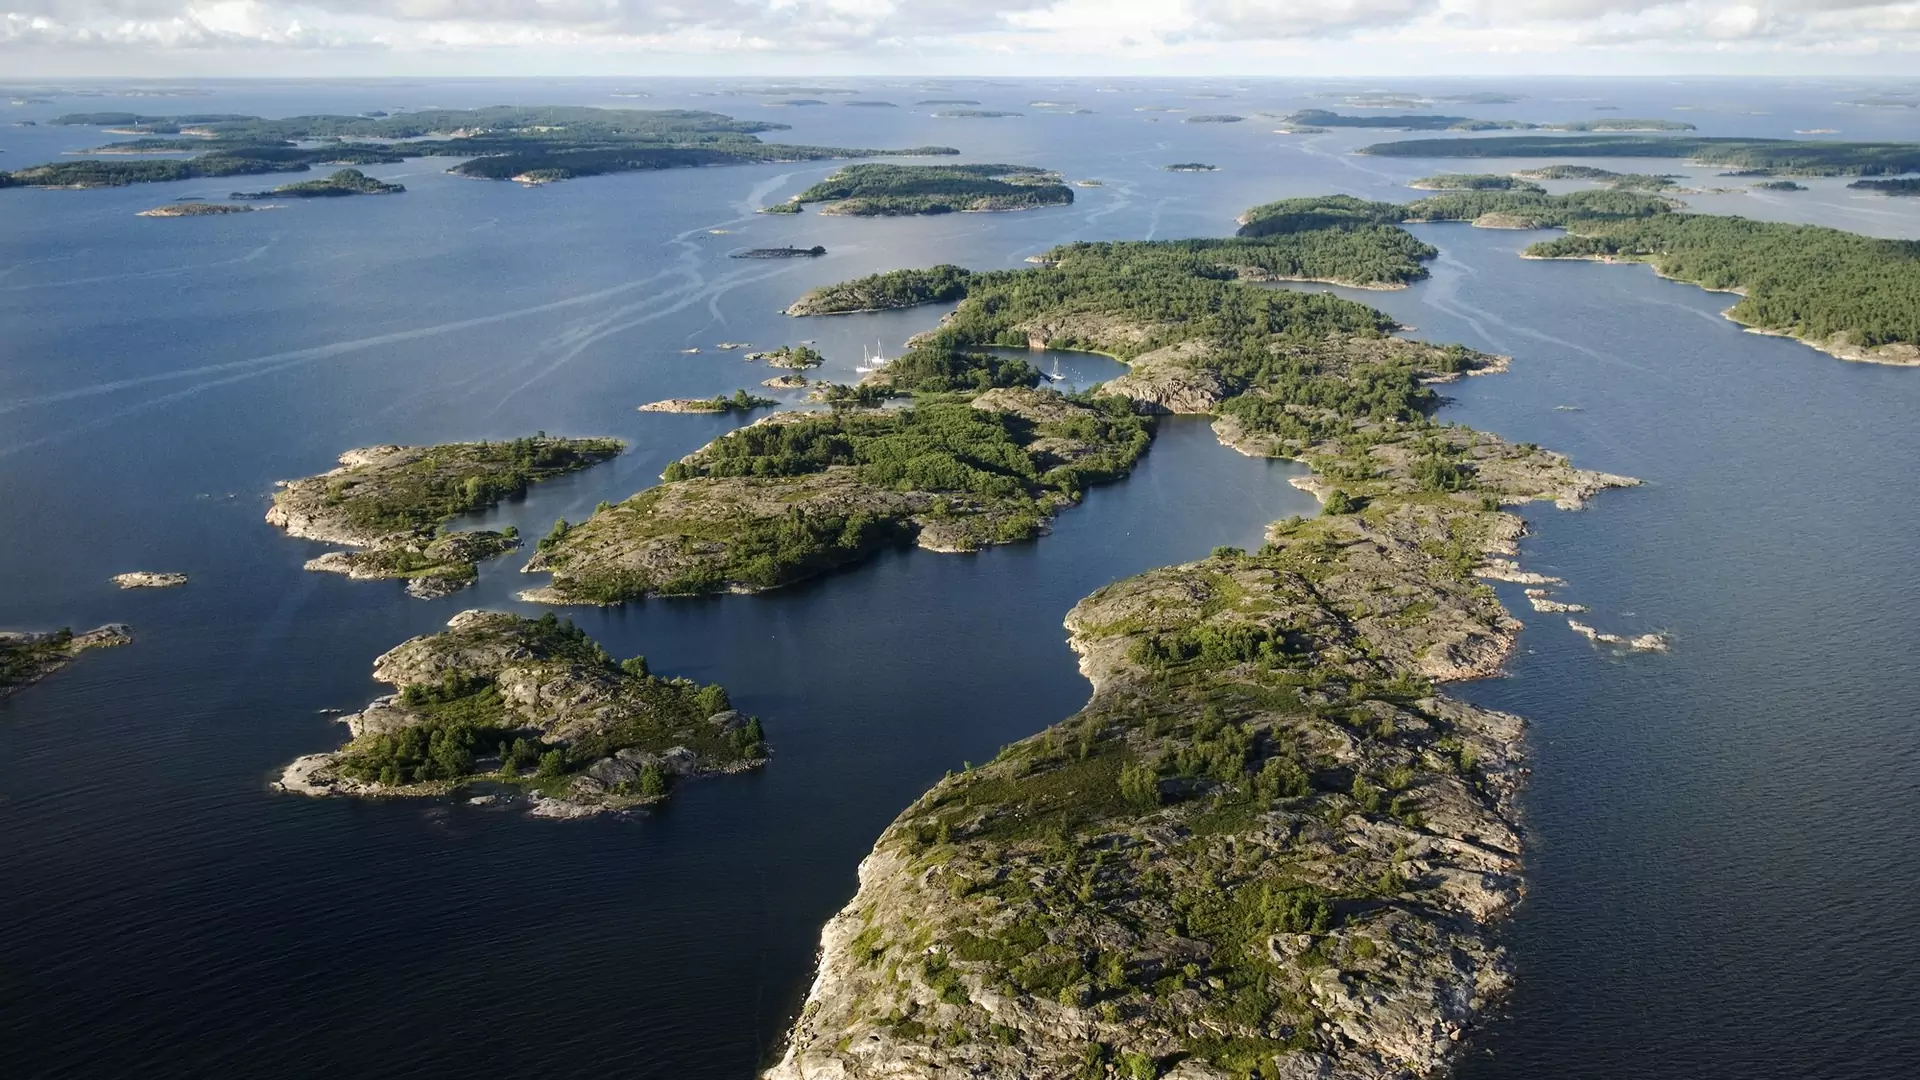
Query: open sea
<point>1724,861</point>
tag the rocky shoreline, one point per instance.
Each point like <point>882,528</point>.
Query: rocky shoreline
<point>27,657</point>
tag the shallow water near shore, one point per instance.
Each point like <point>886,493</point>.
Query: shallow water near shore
<point>1720,881</point>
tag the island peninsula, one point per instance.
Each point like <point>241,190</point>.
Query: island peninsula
<point>534,708</point>
<point>1268,842</point>
<point>391,501</point>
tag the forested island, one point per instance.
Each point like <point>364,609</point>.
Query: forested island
<point>342,183</point>
<point>1786,157</point>
<point>973,114</point>
<point>533,709</point>
<point>1902,186</point>
<point>882,292</point>
<point>1190,166</point>
<point>392,501</point>
<point>1789,185</point>
<point>892,190</point>
<point>1267,846</point>
<point>1617,180</point>
<point>539,144</point>
<point>1214,118</point>
<point>26,658</point>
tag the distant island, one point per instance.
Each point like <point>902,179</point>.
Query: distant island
<point>1789,185</point>
<point>802,102</point>
<point>1902,186</point>
<point>947,101</point>
<point>1787,157</point>
<point>872,104</point>
<point>813,252</point>
<point>536,711</point>
<point>342,183</point>
<point>1215,118</point>
<point>1191,166</point>
<point>1473,182</point>
<point>195,209</point>
<point>891,190</point>
<point>1848,295</point>
<point>532,144</point>
<point>26,658</point>
<point>391,501</point>
<point>1422,122</point>
<point>741,401</point>
<point>974,114</point>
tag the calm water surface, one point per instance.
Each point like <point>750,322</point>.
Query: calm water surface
<point>1722,882</point>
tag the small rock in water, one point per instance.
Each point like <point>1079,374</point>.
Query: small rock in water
<point>146,579</point>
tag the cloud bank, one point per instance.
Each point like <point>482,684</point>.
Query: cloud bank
<point>210,37</point>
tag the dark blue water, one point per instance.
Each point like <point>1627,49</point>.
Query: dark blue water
<point>1721,875</point>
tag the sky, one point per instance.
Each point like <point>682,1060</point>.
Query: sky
<point>207,38</point>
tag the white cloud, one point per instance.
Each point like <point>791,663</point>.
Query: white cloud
<point>1385,36</point>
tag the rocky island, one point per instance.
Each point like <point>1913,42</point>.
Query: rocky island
<point>391,501</point>
<point>536,711</point>
<point>741,401</point>
<point>889,190</point>
<point>26,658</point>
<point>195,209</point>
<point>813,252</point>
<point>148,579</point>
<point>342,183</point>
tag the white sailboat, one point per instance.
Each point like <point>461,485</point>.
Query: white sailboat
<point>872,361</point>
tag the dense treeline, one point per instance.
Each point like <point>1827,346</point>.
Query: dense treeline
<point>1903,186</point>
<point>1785,156</point>
<point>1808,281</point>
<point>1537,210</point>
<point>934,369</point>
<point>893,289</point>
<point>936,189</point>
